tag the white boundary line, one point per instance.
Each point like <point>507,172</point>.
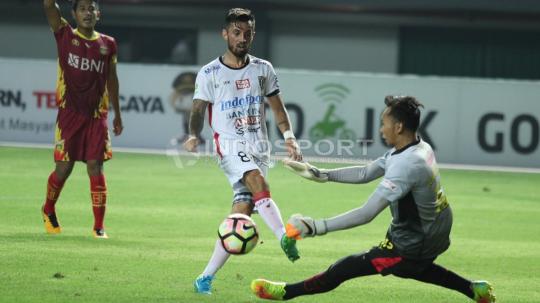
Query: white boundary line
<point>277,158</point>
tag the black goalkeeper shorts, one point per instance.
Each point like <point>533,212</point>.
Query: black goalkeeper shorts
<point>386,260</point>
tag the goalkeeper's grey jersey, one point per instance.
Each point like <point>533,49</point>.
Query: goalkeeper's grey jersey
<point>421,216</point>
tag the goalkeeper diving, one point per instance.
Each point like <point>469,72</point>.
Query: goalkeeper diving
<point>421,215</point>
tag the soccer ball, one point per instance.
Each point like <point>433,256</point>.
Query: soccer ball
<point>238,234</point>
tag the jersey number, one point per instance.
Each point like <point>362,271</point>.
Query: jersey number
<point>243,157</point>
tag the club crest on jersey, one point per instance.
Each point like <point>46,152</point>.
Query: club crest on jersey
<point>262,83</point>
<point>104,50</point>
<point>242,84</point>
<point>75,42</point>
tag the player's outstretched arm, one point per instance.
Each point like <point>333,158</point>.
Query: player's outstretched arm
<point>284,124</point>
<point>352,174</point>
<point>306,170</point>
<point>52,12</point>
<point>300,227</point>
<point>356,174</point>
<point>196,123</point>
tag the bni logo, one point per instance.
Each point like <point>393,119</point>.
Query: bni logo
<point>85,64</point>
<point>73,60</point>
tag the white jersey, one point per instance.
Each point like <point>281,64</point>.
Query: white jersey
<point>237,96</point>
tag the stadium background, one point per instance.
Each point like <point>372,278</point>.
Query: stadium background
<point>473,63</point>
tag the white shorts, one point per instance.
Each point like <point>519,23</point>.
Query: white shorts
<point>235,161</point>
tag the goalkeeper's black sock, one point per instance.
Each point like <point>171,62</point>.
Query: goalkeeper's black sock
<point>344,269</point>
<point>317,284</point>
<point>438,275</point>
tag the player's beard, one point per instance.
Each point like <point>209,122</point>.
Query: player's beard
<point>238,51</point>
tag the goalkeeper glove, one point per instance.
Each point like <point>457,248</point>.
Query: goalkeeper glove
<point>299,227</point>
<point>307,170</point>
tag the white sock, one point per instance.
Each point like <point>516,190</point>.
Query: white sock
<point>269,211</point>
<point>219,257</point>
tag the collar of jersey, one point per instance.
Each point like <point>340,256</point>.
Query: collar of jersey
<point>235,68</point>
<point>95,35</point>
<point>398,151</point>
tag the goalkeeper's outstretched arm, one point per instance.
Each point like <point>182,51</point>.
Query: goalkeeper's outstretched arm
<point>356,174</point>
<point>300,226</point>
<point>358,216</point>
<point>353,174</point>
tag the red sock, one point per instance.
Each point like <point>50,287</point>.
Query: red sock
<point>98,192</point>
<point>261,195</point>
<point>54,187</point>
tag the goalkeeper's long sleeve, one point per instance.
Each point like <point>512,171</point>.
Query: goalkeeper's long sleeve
<point>358,216</point>
<point>356,174</point>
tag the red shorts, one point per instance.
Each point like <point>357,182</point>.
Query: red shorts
<point>78,138</point>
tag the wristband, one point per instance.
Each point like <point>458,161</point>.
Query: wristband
<point>320,227</point>
<point>288,134</point>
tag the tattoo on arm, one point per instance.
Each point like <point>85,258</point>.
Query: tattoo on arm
<point>284,124</point>
<point>280,113</point>
<point>196,119</point>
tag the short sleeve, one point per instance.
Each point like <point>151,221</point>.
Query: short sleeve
<point>61,32</point>
<point>203,87</point>
<point>114,50</point>
<point>272,86</point>
<point>396,183</point>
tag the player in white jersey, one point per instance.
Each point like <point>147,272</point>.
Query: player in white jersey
<point>235,88</point>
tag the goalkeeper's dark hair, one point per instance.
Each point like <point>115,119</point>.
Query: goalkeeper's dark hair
<point>404,109</point>
<point>76,2</point>
<point>239,15</point>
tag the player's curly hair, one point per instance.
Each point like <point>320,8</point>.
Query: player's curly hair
<point>404,109</point>
<point>76,2</point>
<point>239,15</point>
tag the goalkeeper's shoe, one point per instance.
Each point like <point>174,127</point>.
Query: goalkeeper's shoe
<point>100,233</point>
<point>51,223</point>
<point>289,247</point>
<point>203,284</point>
<point>483,292</point>
<point>269,290</point>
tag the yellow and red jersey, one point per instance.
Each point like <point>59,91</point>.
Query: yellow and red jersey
<point>83,69</point>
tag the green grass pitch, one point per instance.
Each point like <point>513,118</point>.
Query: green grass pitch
<point>162,223</point>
